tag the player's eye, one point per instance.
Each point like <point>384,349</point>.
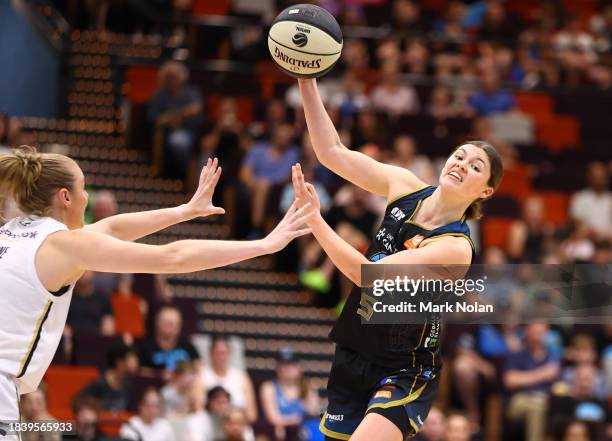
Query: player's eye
<point>476,168</point>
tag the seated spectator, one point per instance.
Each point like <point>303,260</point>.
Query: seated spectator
<point>175,394</point>
<point>458,427</point>
<point>434,426</point>
<point>196,424</point>
<point>217,404</point>
<point>276,114</point>
<point>235,381</point>
<point>351,98</point>
<point>416,57</point>
<point>33,409</point>
<point>176,112</point>
<point>86,414</point>
<point>528,237</point>
<point>490,98</point>
<point>266,167</point>
<point>112,390</point>
<point>149,424</point>
<point>91,311</point>
<point>593,205</point>
<point>579,400</point>
<point>287,400</point>
<point>354,221</point>
<point>498,26</point>
<point>166,349</point>
<point>392,96</point>
<point>528,377</point>
<point>406,156</point>
<point>441,105</point>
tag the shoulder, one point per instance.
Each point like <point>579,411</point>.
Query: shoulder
<point>407,191</point>
<point>457,245</point>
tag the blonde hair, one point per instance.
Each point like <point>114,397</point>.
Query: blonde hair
<point>31,179</point>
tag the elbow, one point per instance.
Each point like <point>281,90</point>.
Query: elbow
<point>174,260</point>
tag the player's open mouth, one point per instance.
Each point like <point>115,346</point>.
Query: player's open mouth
<point>455,176</point>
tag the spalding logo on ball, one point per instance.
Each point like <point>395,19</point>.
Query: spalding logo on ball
<point>305,41</point>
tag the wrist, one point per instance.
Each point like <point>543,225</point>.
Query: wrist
<point>316,220</point>
<point>185,212</point>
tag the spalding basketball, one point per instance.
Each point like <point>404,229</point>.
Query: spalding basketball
<point>305,41</point>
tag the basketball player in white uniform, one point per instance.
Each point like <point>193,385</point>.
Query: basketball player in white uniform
<point>43,254</point>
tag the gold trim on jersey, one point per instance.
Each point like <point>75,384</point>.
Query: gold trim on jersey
<point>452,234</point>
<point>414,425</point>
<point>33,343</point>
<point>395,199</point>
<point>331,433</point>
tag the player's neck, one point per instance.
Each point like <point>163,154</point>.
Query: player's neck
<point>59,216</point>
<point>441,209</point>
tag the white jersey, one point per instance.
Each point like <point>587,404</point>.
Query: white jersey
<point>32,319</point>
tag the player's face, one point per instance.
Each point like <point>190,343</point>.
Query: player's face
<point>466,172</point>
<point>78,199</point>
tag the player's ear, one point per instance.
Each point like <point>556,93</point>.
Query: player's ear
<point>65,199</point>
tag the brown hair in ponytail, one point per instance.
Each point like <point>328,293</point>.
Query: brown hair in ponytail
<point>32,178</point>
<point>474,211</point>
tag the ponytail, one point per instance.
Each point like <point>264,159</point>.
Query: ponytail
<point>31,179</point>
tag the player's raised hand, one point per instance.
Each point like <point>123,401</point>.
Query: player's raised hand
<point>305,192</point>
<point>290,227</point>
<point>201,202</point>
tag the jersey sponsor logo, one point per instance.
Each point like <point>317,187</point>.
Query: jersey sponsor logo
<point>427,374</point>
<point>25,222</point>
<point>335,417</point>
<point>419,420</point>
<point>397,214</point>
<point>386,240</point>
<point>414,242</point>
<point>383,394</point>
<point>10,234</point>
<point>3,251</point>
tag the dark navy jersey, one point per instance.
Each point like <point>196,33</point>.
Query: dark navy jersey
<point>399,345</point>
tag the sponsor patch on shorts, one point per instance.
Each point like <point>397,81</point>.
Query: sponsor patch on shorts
<point>383,394</point>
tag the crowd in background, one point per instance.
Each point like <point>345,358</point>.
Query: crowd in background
<point>556,382</point>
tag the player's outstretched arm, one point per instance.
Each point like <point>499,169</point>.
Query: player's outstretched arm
<point>360,169</point>
<point>447,250</point>
<point>67,254</point>
<point>132,226</point>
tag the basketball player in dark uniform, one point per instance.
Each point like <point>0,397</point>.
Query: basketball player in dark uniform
<point>384,378</point>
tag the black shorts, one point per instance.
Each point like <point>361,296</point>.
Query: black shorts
<point>357,387</point>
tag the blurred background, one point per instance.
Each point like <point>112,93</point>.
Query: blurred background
<point>142,92</point>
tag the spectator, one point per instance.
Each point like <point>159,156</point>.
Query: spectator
<point>574,431</point>
<point>393,97</point>
<point>104,205</point>
<point>287,400</point>
<point>529,236</point>
<point>176,112</point>
<point>441,105</point>
<point>265,169</point>
<point>217,404</point>
<point>112,390</point>
<point>166,349</point>
<point>86,411</point>
<point>490,98</point>
<point>149,424</point>
<point>497,27</point>
<point>235,381</point>
<point>579,400</point>
<point>406,156</point>
<point>175,394</point>
<point>196,424</point>
<point>235,425</point>
<point>34,409</point>
<point>457,428</point>
<point>90,311</point>
<point>351,98</point>
<point>434,427</point>
<point>593,205</point>
<point>528,376</point>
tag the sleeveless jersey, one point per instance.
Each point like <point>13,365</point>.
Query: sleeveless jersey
<point>397,346</point>
<point>32,319</point>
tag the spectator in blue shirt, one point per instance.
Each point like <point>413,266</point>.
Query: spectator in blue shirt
<point>529,375</point>
<point>491,99</point>
<point>265,169</point>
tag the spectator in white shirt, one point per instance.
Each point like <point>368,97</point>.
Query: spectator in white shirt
<point>593,205</point>
<point>149,424</point>
<point>393,97</point>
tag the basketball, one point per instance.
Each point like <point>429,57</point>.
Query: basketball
<point>305,41</point>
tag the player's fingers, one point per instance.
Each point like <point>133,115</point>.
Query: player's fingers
<point>300,212</point>
<point>301,232</point>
